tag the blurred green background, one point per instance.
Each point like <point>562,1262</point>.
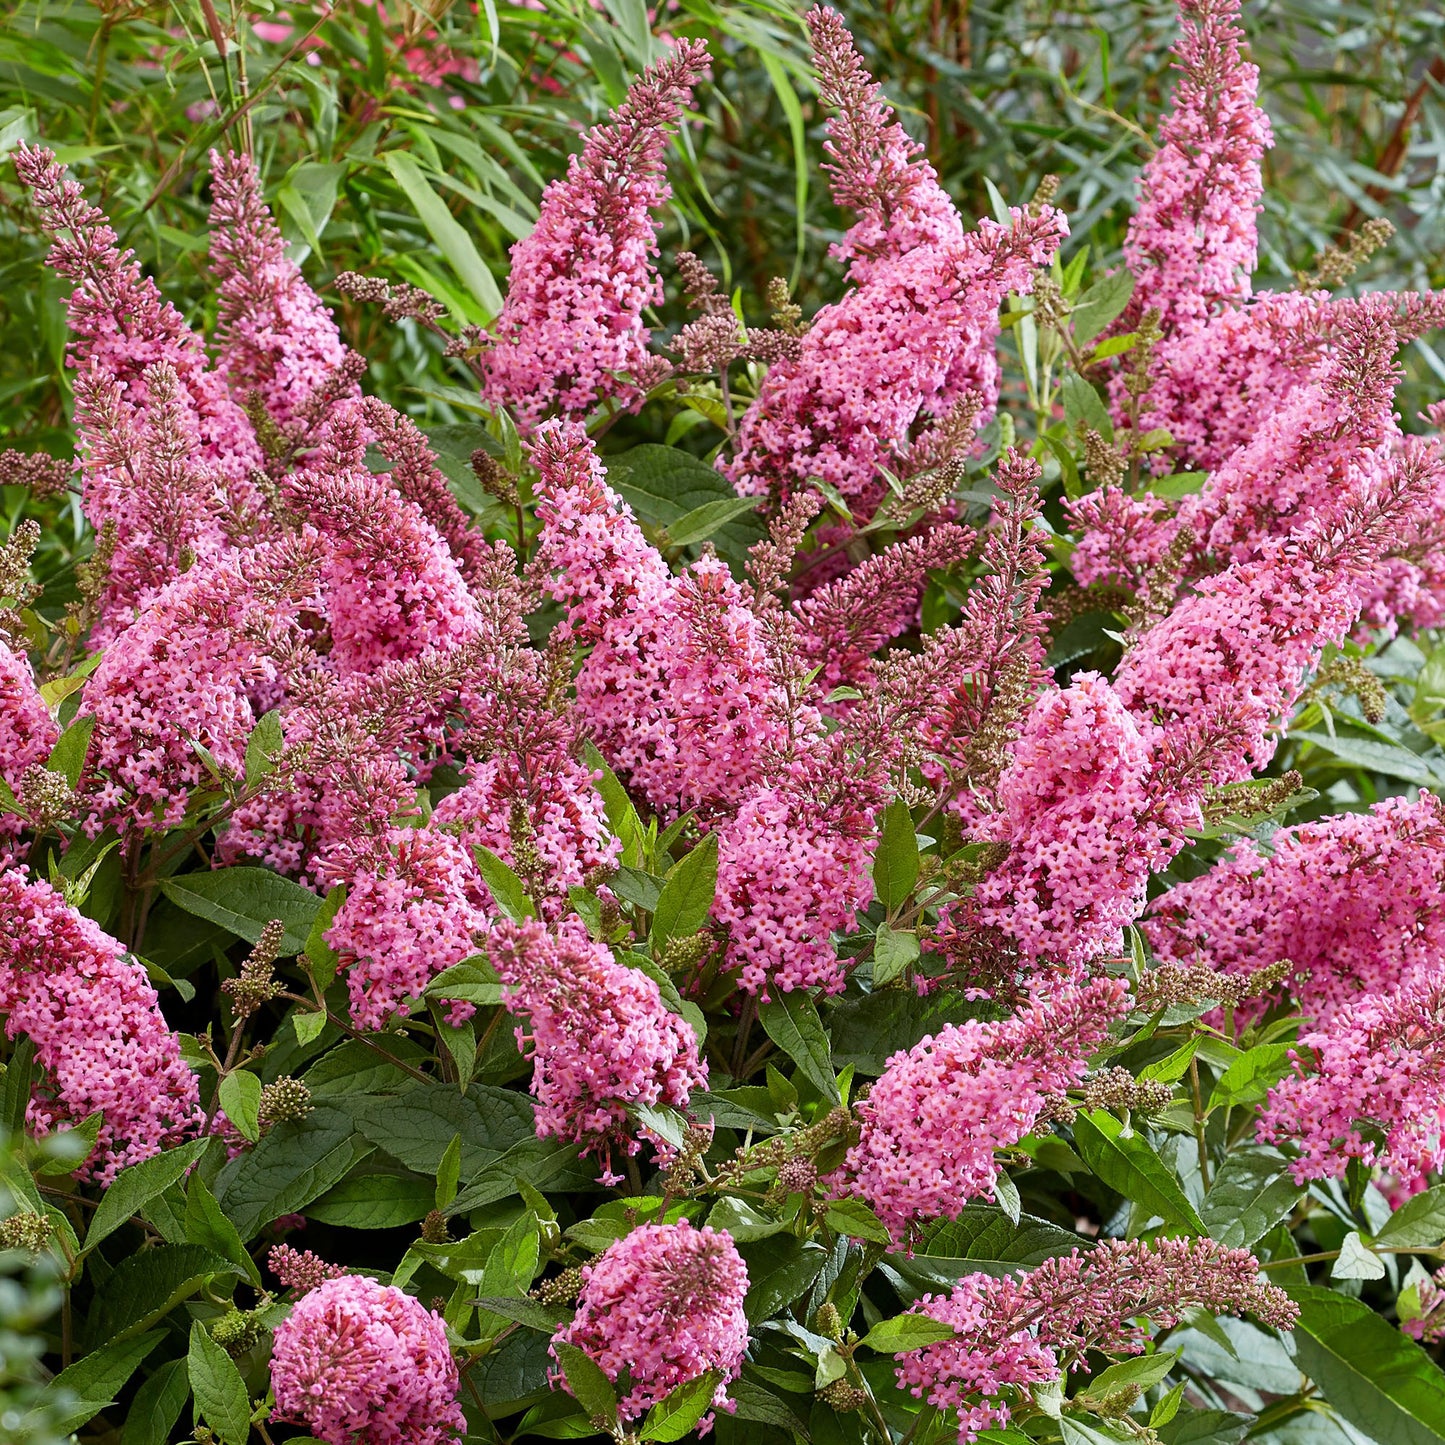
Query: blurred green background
<point>487,101</point>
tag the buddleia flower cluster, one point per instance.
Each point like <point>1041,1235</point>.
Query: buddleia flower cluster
<point>688,921</point>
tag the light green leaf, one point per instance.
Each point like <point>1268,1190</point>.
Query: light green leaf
<point>505,887</point>
<point>907,1332</point>
<point>222,1400</point>
<point>673,1417</point>
<point>244,900</point>
<point>241,1099</point>
<point>1250,1076</point>
<point>1419,1223</point>
<point>895,865</point>
<point>687,895</point>
<point>1356,1261</point>
<point>586,1382</point>
<point>264,747</point>
<point>1127,1163</point>
<point>455,244</point>
<point>135,1187</point>
<point>895,951</point>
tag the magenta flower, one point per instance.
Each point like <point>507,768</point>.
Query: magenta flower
<point>932,1122</point>
<point>365,1364</point>
<point>1023,1332</point>
<point>660,1307</point>
<point>599,1036</point>
<point>571,333</point>
<point>98,1031</point>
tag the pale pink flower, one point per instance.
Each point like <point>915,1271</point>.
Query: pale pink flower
<point>27,734</point>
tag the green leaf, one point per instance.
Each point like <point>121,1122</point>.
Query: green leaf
<point>982,1240</point>
<point>206,1225</point>
<point>895,951</point>
<point>319,954</point>
<point>241,1099</point>
<point>264,747</point>
<point>1099,305</point>
<point>222,1400</point>
<point>1379,1380</point>
<point>687,895</point>
<point>526,1311</point>
<point>1083,408</point>
<point>455,244</point>
<point>149,1285</point>
<point>71,747</point>
<point>1250,1194</point>
<point>1377,757</point>
<point>296,1162</point>
<point>675,1415</point>
<point>793,1024</point>
<point>703,521</point>
<point>473,980</point>
<point>1127,1163</point>
<point>308,1026</point>
<point>1146,1371</point>
<point>1419,1223</point>
<point>1250,1076</point>
<point>741,1220</point>
<point>417,1127</point>
<point>157,1406</point>
<point>374,1199</point>
<point>245,900</point>
<point>17,1084</point>
<point>780,1271</point>
<point>449,1173</point>
<point>895,865</point>
<point>94,1381</point>
<point>854,1218</point>
<point>135,1187</point>
<point>906,1332</point>
<point>1356,1260</point>
<point>586,1382</point>
<point>664,484</point>
<point>503,884</point>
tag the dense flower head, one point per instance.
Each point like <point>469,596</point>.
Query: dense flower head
<point>591,553</point>
<point>275,338</point>
<point>1367,1084</point>
<point>363,1363</point>
<point>918,334</point>
<point>541,814</point>
<point>932,1122</point>
<point>875,167</point>
<point>571,333</point>
<point>27,733</point>
<point>121,326</point>
<point>185,672</point>
<point>1022,1332</point>
<point>392,588</point>
<point>1247,637</point>
<point>662,1306</point>
<point>146,481</point>
<point>793,870</point>
<point>678,689</point>
<point>97,1027</point>
<point>1080,816</point>
<point>1353,902</point>
<point>600,1038</point>
<point>1192,239</point>
<point>416,906</point>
